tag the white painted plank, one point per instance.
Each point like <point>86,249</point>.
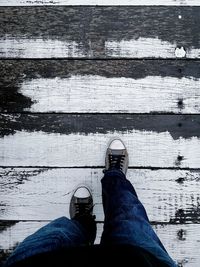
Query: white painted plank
<point>148,47</point>
<point>146,148</point>
<point>100,2</point>
<point>23,47</point>
<point>44,194</point>
<point>12,235</point>
<point>102,94</point>
<point>39,48</point>
<point>181,242</point>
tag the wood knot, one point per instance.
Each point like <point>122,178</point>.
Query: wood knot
<point>180,180</point>
<point>180,70</point>
<point>181,234</point>
<point>179,158</point>
<point>180,102</point>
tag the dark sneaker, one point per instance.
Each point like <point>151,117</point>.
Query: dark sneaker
<point>116,156</point>
<point>81,203</point>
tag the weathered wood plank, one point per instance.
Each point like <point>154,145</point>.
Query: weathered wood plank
<point>44,194</point>
<point>133,86</point>
<point>92,94</point>
<point>140,32</point>
<point>181,241</point>
<point>73,140</point>
<point>179,126</point>
<point>99,2</point>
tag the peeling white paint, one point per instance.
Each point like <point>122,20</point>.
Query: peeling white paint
<point>38,48</point>
<point>149,94</point>
<point>145,48</point>
<point>22,47</point>
<point>47,195</point>
<point>100,2</point>
<point>146,148</point>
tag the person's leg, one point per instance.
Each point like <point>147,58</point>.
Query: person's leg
<point>62,232</point>
<point>126,220</point>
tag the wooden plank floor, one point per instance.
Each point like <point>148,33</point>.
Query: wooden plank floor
<point>72,77</point>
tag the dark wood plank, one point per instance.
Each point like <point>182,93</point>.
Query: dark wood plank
<point>59,140</point>
<point>60,86</point>
<point>139,32</point>
<point>44,194</point>
<point>179,126</point>
<point>181,241</point>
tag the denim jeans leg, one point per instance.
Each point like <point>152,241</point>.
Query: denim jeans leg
<point>59,233</point>
<point>126,220</point>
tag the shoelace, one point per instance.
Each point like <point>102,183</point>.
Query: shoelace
<point>82,208</point>
<point>116,161</point>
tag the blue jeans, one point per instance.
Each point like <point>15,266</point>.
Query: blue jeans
<point>126,222</point>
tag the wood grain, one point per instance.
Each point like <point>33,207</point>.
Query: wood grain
<point>56,140</point>
<point>99,2</point>
<point>140,32</point>
<point>125,86</point>
<point>181,241</point>
<point>120,95</point>
<point>44,194</point>
<point>39,142</point>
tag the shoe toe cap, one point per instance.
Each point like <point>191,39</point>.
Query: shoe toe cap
<point>117,144</point>
<point>82,192</point>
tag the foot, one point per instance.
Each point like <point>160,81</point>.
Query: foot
<point>81,203</point>
<point>116,156</point>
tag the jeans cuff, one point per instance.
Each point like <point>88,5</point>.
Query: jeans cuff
<point>114,172</point>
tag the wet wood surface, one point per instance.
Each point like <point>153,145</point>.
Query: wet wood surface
<point>92,32</point>
<point>72,77</point>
